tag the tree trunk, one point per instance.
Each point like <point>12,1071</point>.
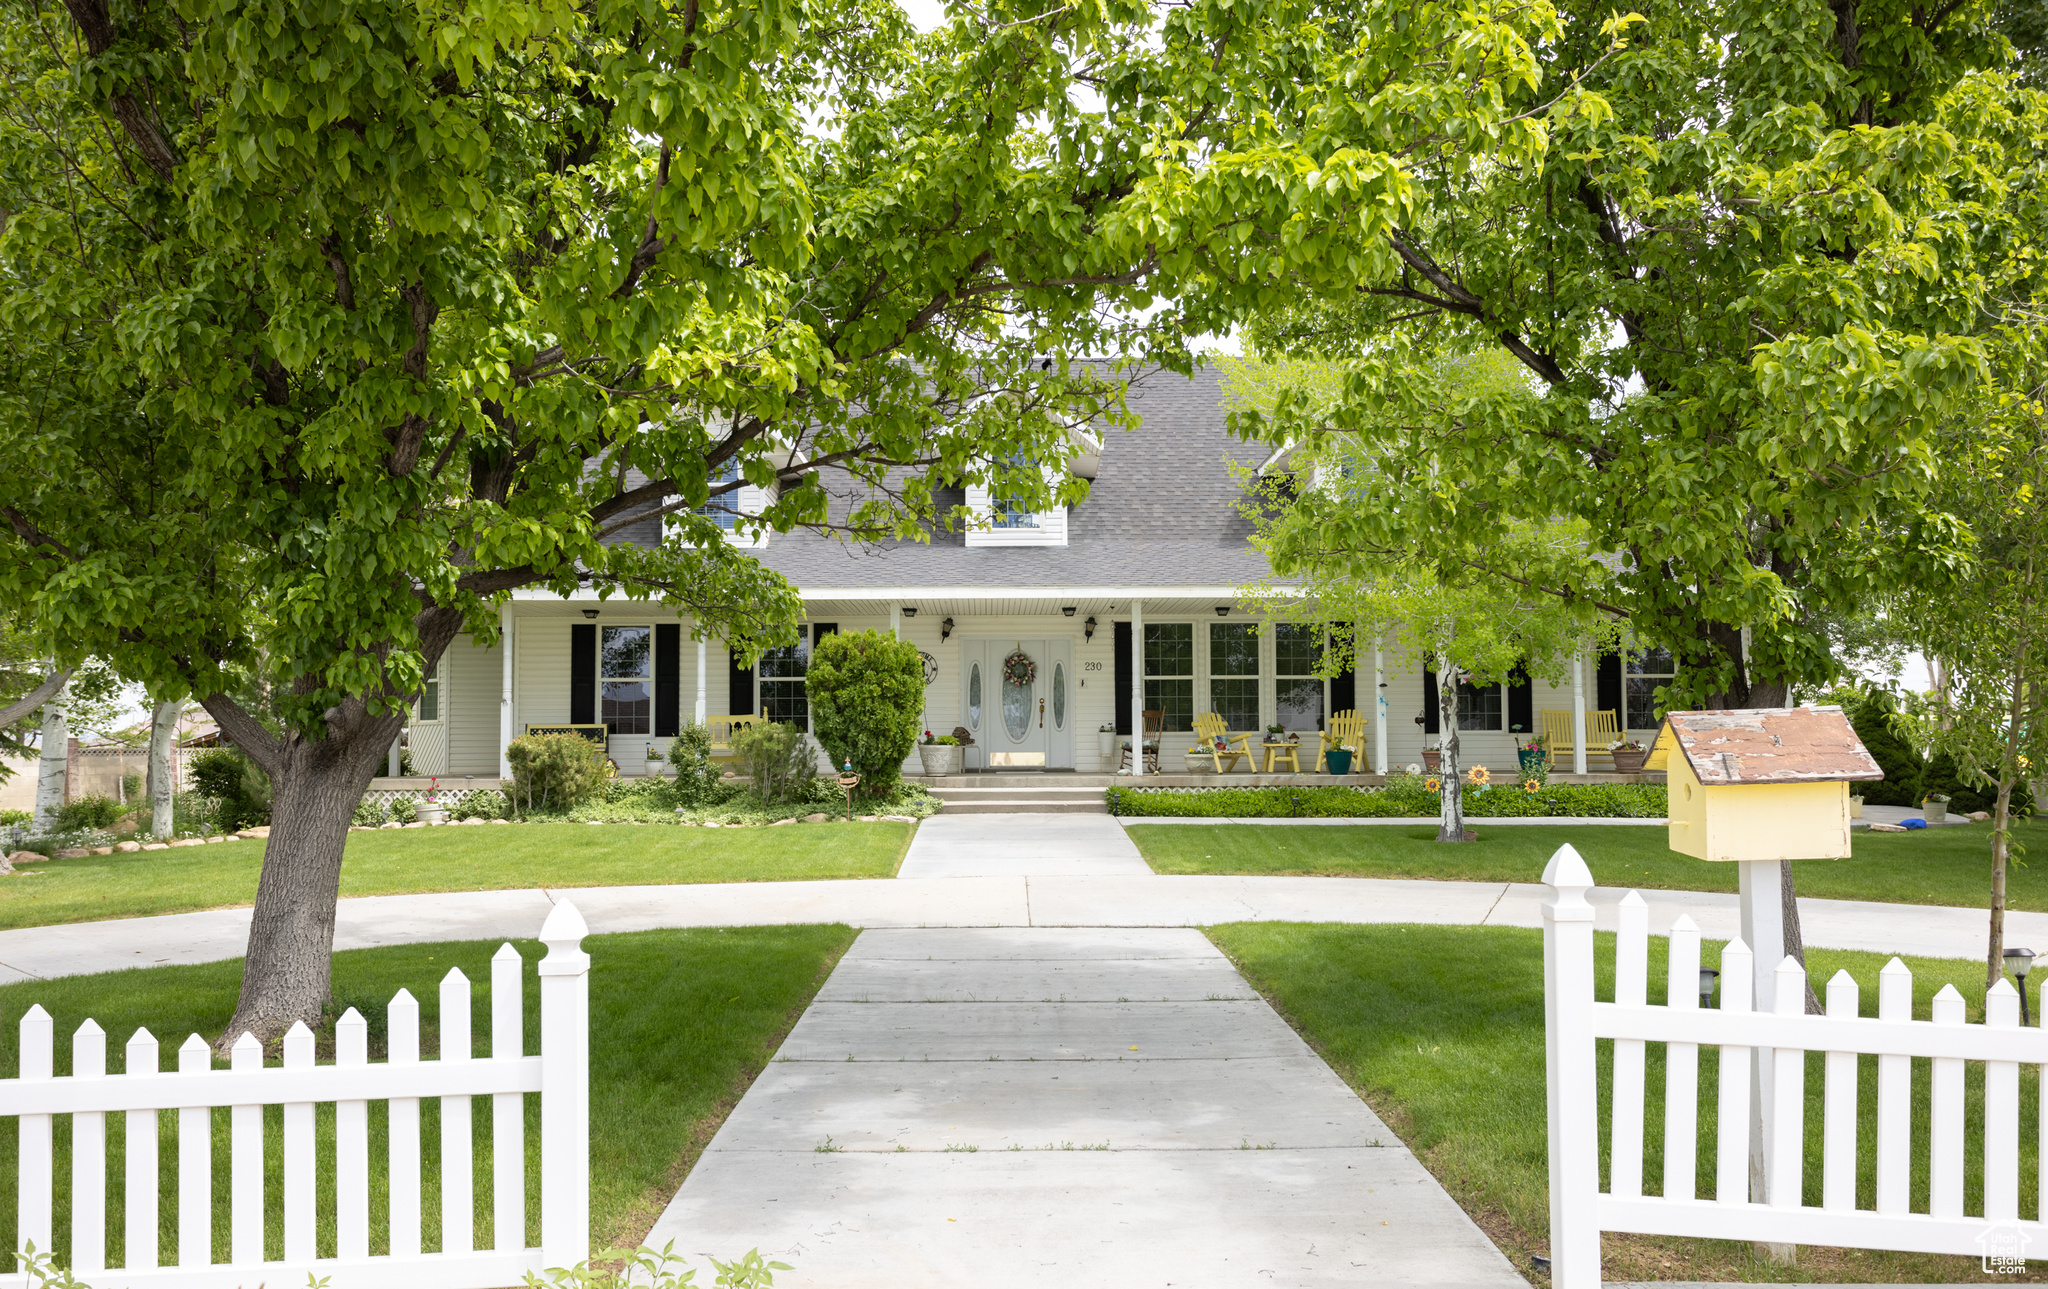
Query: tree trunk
<point>1451,812</point>
<point>2001,823</point>
<point>1795,944</point>
<point>163,739</point>
<point>315,786</point>
<point>53,764</point>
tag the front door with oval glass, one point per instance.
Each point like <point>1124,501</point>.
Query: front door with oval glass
<point>1018,695</point>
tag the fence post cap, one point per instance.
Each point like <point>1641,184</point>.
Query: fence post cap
<point>564,928</point>
<point>1684,922</point>
<point>35,1013</point>
<point>2002,989</point>
<point>505,952</point>
<point>1896,968</point>
<point>92,1026</point>
<point>455,977</point>
<point>1569,879</point>
<point>194,1044</point>
<point>351,1018</point>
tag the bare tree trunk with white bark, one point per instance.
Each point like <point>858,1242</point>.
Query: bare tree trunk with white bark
<point>1451,810</point>
<point>55,762</point>
<point>163,739</point>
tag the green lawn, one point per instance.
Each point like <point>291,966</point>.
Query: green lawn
<point>1440,1029</point>
<point>1939,866</point>
<point>455,859</point>
<point>680,1022</point>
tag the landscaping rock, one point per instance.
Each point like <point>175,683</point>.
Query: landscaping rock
<point>777,823</point>
<point>498,821</point>
<point>869,819</point>
<point>709,824</point>
<point>127,847</point>
<point>6,869</point>
<point>1979,816</point>
<point>393,824</point>
<point>157,845</point>
<point>595,823</point>
<point>1886,828</point>
<point>27,857</point>
<point>103,850</point>
<point>899,819</point>
<point>72,852</point>
<point>217,839</point>
<point>816,819</point>
<point>257,833</point>
<point>188,841</point>
<point>467,822</point>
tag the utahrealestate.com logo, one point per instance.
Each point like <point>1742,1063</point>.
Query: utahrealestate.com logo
<point>2004,1246</point>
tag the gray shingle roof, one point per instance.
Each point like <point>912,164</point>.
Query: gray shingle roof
<point>1161,512</point>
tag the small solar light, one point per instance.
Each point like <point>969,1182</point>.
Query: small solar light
<point>1707,978</point>
<point>2019,962</point>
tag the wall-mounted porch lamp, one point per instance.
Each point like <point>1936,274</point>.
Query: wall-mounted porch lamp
<point>2019,962</point>
<point>945,628</point>
<point>590,613</point>
<point>1088,629</point>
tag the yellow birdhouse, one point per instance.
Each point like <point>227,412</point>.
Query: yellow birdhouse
<point>1767,783</point>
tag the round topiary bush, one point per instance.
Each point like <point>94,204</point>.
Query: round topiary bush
<point>867,693</point>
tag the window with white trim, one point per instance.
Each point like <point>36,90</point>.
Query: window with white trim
<point>625,659</point>
<point>1297,690</point>
<point>1481,707</point>
<point>995,520</point>
<point>1647,671</point>
<point>1234,673</point>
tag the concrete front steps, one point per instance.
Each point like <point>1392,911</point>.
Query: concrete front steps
<point>1038,796</point>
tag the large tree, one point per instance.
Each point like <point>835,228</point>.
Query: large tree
<point>1744,279</point>
<point>324,327</point>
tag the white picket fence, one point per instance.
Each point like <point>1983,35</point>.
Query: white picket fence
<point>560,1074</point>
<point>1575,1021</point>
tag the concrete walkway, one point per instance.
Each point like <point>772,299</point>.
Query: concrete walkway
<point>1027,1107</point>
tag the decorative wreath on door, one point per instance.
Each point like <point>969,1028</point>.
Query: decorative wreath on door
<point>1019,670</point>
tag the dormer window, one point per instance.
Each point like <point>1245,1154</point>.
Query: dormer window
<point>725,508</point>
<point>1008,521</point>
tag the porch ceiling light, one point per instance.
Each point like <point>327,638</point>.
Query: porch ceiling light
<point>1222,610</point>
<point>1088,629</point>
<point>910,610</point>
<point>590,613</point>
<point>945,628</point>
<point>1067,612</point>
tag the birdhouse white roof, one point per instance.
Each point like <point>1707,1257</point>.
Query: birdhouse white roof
<point>1765,745</point>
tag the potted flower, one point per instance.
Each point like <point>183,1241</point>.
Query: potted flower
<point>941,755</point>
<point>1275,732</point>
<point>1340,759</point>
<point>1855,805</point>
<point>430,805</point>
<point>1534,755</point>
<point>1432,758</point>
<point>1935,808</point>
<point>1105,740</point>
<point>1629,755</point>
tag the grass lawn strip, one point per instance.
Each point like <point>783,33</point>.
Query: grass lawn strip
<point>1440,1029</point>
<point>681,1022</point>
<point>1948,866</point>
<point>412,860</point>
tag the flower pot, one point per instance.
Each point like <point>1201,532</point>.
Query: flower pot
<point>1199,760</point>
<point>1105,744</point>
<point>1855,807</point>
<point>1432,760</point>
<point>1533,763</point>
<point>430,812</point>
<point>1339,759</point>
<point>1627,762</point>
<point>1933,811</point>
<point>940,759</point>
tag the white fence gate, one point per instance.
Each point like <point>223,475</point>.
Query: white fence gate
<point>1574,1022</point>
<point>560,1074</point>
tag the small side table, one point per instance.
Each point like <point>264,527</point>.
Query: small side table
<point>1287,752</point>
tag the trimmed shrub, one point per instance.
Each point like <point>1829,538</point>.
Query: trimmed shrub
<point>404,810</point>
<point>483,803</point>
<point>867,692</point>
<point>369,814</point>
<point>1404,798</point>
<point>554,772</point>
<point>777,757</point>
<point>689,761</point>
<point>233,780</point>
<point>1874,718</point>
<point>91,811</point>
<point>11,818</point>
<point>1945,777</point>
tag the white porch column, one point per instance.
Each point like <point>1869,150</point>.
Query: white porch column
<point>1137,687</point>
<point>700,682</point>
<point>391,763</point>
<point>505,705</point>
<point>1379,722</point>
<point>1579,712</point>
<point>895,622</point>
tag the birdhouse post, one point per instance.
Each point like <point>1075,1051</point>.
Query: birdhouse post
<point>1754,788</point>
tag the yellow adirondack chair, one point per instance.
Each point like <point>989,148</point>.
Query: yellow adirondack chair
<point>1602,728</point>
<point>1343,729</point>
<point>1208,728</point>
<point>722,728</point>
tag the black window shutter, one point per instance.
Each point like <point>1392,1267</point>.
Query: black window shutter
<point>1122,680</point>
<point>740,694</point>
<point>819,630</point>
<point>1521,701</point>
<point>583,673</point>
<point>1432,720</point>
<point>1344,685</point>
<point>1607,690</point>
<point>668,677</point>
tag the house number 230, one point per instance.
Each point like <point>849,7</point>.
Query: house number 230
<point>1091,666</point>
